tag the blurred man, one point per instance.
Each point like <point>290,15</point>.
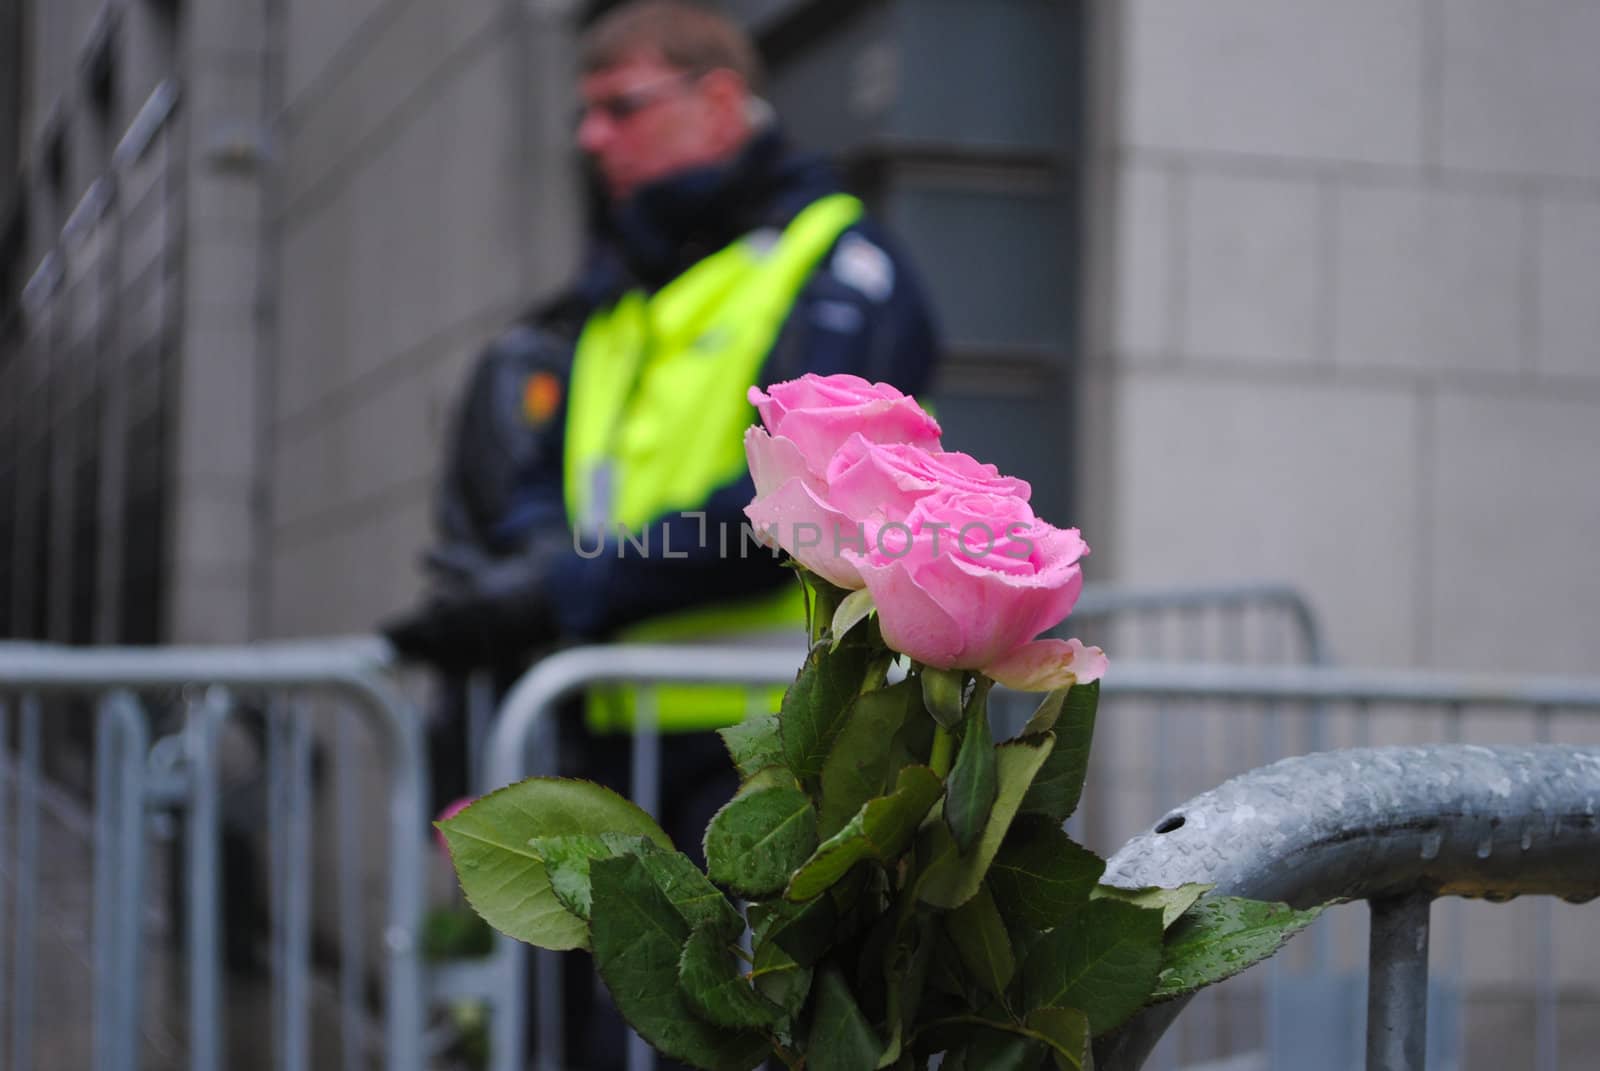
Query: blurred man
<point>720,258</point>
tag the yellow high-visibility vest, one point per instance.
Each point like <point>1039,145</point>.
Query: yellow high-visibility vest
<point>656,415</point>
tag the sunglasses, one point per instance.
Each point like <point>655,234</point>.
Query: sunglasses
<point>620,107</point>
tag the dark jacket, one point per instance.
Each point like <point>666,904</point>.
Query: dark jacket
<point>863,312</point>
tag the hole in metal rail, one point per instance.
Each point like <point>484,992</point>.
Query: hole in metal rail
<point>1169,823</point>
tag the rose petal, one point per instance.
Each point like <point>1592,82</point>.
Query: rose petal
<point>999,609</point>
<point>1045,665</point>
<point>911,621</point>
<point>773,459</point>
<point>820,432</point>
<point>793,510</point>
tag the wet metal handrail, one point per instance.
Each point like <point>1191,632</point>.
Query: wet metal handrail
<point>1395,826</point>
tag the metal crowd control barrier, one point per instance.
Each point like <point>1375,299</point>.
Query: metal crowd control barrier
<point>138,785</point>
<point>1396,827</point>
<point>525,725</point>
<point>1234,624</point>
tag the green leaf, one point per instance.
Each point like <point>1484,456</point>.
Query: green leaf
<point>1003,1050</point>
<point>754,744</point>
<point>947,977</point>
<point>941,694</point>
<point>913,744</point>
<point>857,767</point>
<point>949,878</point>
<point>709,973</point>
<point>758,838</point>
<point>1040,875</point>
<point>841,1038</point>
<point>1046,713</point>
<point>1171,902</point>
<point>1066,1031</point>
<point>1103,961</point>
<point>971,789</point>
<point>688,890</point>
<point>803,931</point>
<point>853,609</point>
<point>504,879</point>
<point>881,830</point>
<point>566,862</point>
<point>979,935</point>
<point>1057,789</point>
<point>817,705</point>
<point>777,975</point>
<point>639,939</point>
<point>907,960</point>
<point>1220,937</point>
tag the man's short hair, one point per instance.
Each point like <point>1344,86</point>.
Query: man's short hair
<point>686,35</point>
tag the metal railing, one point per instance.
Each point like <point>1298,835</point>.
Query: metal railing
<point>1396,827</point>
<point>1155,715</point>
<point>1264,623</point>
<point>139,786</point>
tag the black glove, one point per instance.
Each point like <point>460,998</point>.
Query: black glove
<point>492,617</point>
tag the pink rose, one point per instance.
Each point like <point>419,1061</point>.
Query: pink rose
<point>968,580</point>
<point>865,478</point>
<point>808,420</point>
<point>865,483</point>
<point>818,413</point>
<point>791,509</point>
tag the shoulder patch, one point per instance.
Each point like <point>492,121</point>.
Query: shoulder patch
<point>860,265</point>
<point>541,397</point>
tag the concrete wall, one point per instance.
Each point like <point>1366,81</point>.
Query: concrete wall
<point>1347,331</point>
<point>424,203</point>
<point>1342,332</point>
<point>217,477</point>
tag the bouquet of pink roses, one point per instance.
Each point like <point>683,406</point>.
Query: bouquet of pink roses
<point>850,480</point>
<point>907,885</point>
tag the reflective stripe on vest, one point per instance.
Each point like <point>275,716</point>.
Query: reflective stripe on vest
<point>656,416</point>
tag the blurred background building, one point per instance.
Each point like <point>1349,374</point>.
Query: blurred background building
<point>1295,290</point>
<point>257,245</point>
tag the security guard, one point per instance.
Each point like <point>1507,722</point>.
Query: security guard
<point>598,480</point>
